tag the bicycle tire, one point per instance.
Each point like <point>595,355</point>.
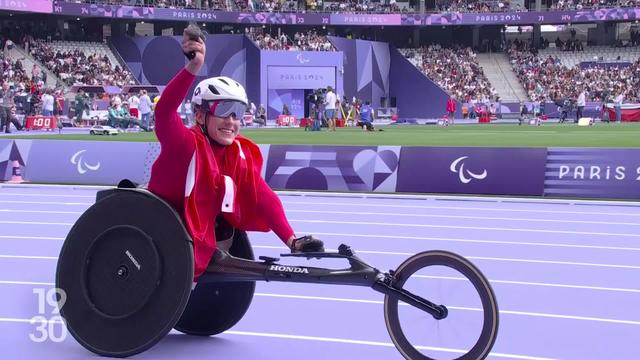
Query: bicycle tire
<point>451,260</point>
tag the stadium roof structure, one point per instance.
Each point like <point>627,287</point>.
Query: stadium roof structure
<point>96,89</point>
<point>136,88</point>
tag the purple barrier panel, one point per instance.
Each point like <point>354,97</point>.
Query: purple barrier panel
<point>583,172</point>
<point>334,168</point>
<point>39,6</point>
<point>507,171</point>
<point>86,162</point>
<point>11,151</point>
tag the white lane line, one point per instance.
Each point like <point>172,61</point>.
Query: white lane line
<point>355,213</point>
<point>368,205</point>
<point>510,312</point>
<point>470,257</point>
<point>529,283</point>
<point>393,225</point>
<point>462,227</point>
<point>360,213</point>
<point>40,211</point>
<point>524,313</point>
<point>30,237</point>
<point>471,241</point>
<point>464,217</point>
<point>402,254</point>
<point>379,302</point>
<point>29,257</point>
<point>43,202</point>
<point>37,320</point>
<point>493,281</point>
<point>351,195</point>
<point>48,195</point>
<point>374,343</point>
<point>315,338</point>
<point>12,282</point>
<point>341,204</point>
<point>33,223</point>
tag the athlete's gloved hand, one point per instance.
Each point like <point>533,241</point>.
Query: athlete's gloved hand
<point>194,33</point>
<point>306,244</point>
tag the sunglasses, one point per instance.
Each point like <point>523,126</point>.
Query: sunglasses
<point>226,108</point>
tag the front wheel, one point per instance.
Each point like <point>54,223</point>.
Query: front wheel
<point>469,330</point>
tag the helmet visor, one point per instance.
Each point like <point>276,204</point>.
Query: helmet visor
<point>226,108</point>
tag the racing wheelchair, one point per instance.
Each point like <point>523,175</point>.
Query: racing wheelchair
<point>127,268</point>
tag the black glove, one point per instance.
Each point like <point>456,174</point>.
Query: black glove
<point>195,34</point>
<point>306,244</point>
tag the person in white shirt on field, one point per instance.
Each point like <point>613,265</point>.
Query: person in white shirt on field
<point>134,103</point>
<point>330,108</point>
<point>145,108</point>
<point>581,102</point>
<point>617,105</point>
<point>47,103</point>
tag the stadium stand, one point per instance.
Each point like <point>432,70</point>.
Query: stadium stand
<point>456,70</point>
<point>309,41</point>
<point>81,63</point>
<point>547,76</point>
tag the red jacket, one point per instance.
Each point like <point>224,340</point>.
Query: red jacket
<point>451,105</point>
<point>202,180</point>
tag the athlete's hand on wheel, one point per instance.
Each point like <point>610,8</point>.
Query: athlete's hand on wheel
<point>307,244</point>
<point>193,45</point>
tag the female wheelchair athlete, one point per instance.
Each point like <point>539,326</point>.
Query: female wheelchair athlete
<point>127,269</point>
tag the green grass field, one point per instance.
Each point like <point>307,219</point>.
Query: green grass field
<point>551,135</point>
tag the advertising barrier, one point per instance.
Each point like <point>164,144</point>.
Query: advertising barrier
<point>558,172</point>
<point>86,162</point>
<point>585,172</point>
<point>334,168</point>
<point>497,171</point>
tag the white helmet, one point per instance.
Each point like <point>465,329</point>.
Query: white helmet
<point>218,88</point>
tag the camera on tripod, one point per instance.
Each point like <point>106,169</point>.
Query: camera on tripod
<point>317,96</point>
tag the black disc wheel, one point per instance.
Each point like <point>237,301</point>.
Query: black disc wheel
<point>126,268</point>
<point>470,328</point>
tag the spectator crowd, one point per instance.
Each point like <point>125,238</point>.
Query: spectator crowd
<point>309,41</point>
<point>77,68</point>
<point>547,79</point>
<point>456,70</point>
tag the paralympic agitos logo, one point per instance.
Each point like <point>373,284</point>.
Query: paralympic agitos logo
<point>81,165</point>
<point>465,175</point>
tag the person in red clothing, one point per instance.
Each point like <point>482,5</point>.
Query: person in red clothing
<point>451,108</point>
<point>210,172</point>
